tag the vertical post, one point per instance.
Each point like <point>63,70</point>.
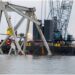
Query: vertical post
<point>0,22</point>
<point>10,25</point>
<point>45,9</point>
<point>0,15</point>
<point>25,39</point>
<point>27,29</point>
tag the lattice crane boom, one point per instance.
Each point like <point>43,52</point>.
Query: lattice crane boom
<point>66,8</point>
<point>61,9</point>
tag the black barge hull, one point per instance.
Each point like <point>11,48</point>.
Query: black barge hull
<point>63,50</point>
<point>41,50</point>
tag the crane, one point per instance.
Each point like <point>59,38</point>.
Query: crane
<point>66,8</point>
<point>61,10</point>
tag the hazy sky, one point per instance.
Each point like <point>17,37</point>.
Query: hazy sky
<point>37,5</point>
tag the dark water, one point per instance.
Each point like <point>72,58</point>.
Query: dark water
<point>37,65</point>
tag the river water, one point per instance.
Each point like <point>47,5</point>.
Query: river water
<point>10,64</point>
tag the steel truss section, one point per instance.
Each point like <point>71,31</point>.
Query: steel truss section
<point>29,15</point>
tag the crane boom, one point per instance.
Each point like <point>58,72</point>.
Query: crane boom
<point>62,11</point>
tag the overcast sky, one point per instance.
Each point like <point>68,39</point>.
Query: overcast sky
<point>37,5</point>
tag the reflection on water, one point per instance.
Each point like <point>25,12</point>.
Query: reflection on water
<point>36,65</point>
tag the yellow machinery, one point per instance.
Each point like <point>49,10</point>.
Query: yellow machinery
<point>9,31</point>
